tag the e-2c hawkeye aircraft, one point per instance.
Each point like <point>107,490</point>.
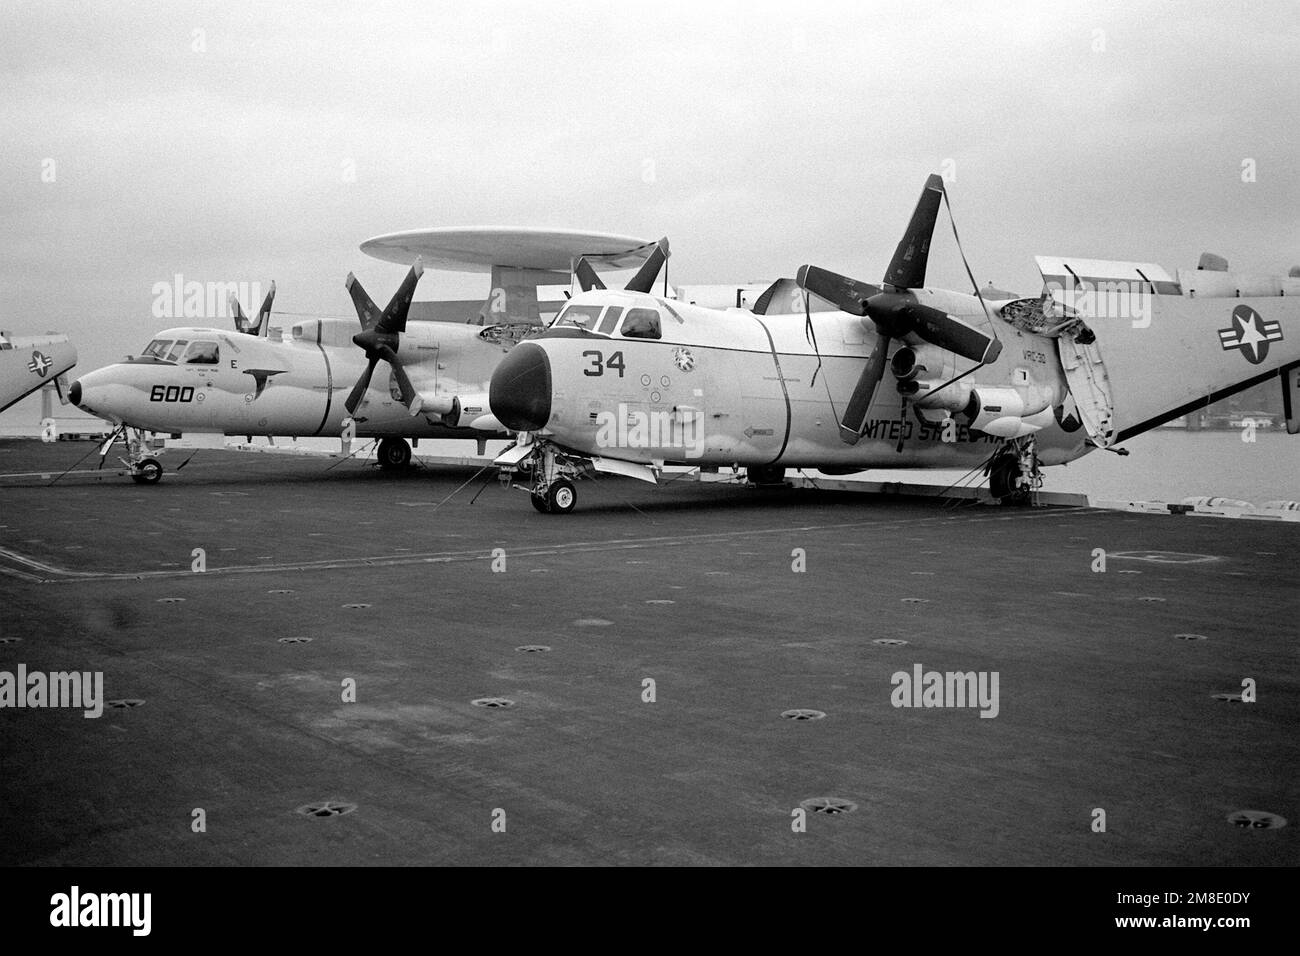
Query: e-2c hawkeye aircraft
<point>625,382</point>
<point>195,379</point>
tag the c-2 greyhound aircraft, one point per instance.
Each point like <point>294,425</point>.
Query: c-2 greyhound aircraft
<point>625,382</point>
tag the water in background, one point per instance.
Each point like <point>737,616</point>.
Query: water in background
<point>1170,464</point>
<point>1162,465</point>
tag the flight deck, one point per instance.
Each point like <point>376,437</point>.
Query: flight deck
<point>338,665</point>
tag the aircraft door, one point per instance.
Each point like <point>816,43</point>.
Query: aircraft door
<point>197,393</point>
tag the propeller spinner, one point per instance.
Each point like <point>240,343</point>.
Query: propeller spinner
<point>380,337</point>
<point>895,310</point>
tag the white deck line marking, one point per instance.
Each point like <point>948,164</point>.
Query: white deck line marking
<point>58,575</point>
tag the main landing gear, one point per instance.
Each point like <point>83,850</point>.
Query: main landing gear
<point>1014,473</point>
<point>394,454</point>
<point>765,474</point>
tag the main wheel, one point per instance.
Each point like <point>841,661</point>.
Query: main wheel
<point>765,474</point>
<point>540,503</point>
<point>562,497</point>
<point>1005,484</point>
<point>394,453</point>
<point>148,472</point>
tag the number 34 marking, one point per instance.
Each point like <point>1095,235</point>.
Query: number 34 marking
<point>599,363</point>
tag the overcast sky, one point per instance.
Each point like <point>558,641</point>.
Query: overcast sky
<point>239,141</point>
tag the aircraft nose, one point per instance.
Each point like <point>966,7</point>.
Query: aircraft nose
<point>74,392</point>
<point>520,391</point>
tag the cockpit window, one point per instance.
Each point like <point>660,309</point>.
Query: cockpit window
<point>578,316</point>
<point>202,353</point>
<point>641,324</point>
<point>177,350</point>
<point>157,349</point>
<point>611,319</point>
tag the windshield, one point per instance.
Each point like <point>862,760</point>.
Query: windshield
<point>157,349</point>
<point>578,316</point>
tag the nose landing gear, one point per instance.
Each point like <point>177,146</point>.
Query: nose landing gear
<point>141,464</point>
<point>548,476</point>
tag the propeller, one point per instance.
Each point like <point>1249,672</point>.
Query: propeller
<point>380,337</point>
<point>587,278</point>
<point>242,323</point>
<point>896,311</point>
<point>644,279</point>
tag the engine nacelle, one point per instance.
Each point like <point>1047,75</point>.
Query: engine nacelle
<point>923,363</point>
<point>921,370</point>
<point>1003,411</point>
<point>444,407</point>
<point>466,409</point>
<point>1009,412</point>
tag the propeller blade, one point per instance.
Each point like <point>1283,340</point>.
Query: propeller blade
<point>907,268</point>
<point>264,313</point>
<point>409,394</point>
<point>363,383</point>
<point>847,295</point>
<point>951,333</point>
<point>854,420</point>
<point>367,311</point>
<point>394,317</point>
<point>644,280</point>
<point>587,278</point>
<point>898,313</point>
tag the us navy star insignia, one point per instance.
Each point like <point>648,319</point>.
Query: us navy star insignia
<point>1250,332</point>
<point>40,363</point>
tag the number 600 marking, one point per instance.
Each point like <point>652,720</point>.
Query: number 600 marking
<point>171,393</point>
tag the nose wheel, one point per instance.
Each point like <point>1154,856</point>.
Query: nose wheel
<point>560,498</point>
<point>148,471</point>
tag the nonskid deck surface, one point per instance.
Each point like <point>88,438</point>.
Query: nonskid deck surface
<point>1101,704</point>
